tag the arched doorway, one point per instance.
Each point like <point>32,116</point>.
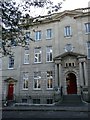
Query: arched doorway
<point>71,83</point>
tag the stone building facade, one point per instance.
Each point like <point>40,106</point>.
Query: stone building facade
<point>56,59</point>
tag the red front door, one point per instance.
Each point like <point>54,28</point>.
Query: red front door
<point>10,91</point>
<point>71,84</point>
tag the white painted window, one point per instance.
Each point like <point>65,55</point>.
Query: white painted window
<point>26,57</point>
<point>67,31</point>
<point>88,50</point>
<point>37,55</point>
<point>25,81</point>
<point>49,34</point>
<point>37,80</point>
<point>87,27</point>
<point>37,35</point>
<point>11,62</point>
<point>49,57</point>
<point>49,80</point>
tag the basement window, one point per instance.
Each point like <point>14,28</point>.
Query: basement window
<point>36,101</point>
<point>24,100</point>
<point>49,101</point>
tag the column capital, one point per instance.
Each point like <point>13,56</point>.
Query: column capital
<point>81,58</point>
<point>58,61</point>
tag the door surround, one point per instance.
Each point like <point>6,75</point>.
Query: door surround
<point>9,81</point>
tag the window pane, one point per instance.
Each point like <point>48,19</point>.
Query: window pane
<point>24,100</point>
<point>49,33</point>
<point>26,57</point>
<point>38,35</point>
<point>49,54</point>
<point>37,79</point>
<point>25,84</point>
<point>49,84</point>
<point>47,57</point>
<point>88,44</point>
<point>67,31</point>
<point>11,62</point>
<point>25,80</point>
<point>35,83</point>
<point>88,49</point>
<point>49,79</point>
<point>87,26</point>
<point>37,58</point>
<point>49,101</point>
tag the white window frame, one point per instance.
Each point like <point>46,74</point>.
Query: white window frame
<point>87,28</point>
<point>26,57</point>
<point>49,53</point>
<point>49,77</point>
<point>88,50</point>
<point>25,80</point>
<point>37,55</point>
<point>11,61</point>
<point>37,79</point>
<point>48,33</point>
<point>38,35</point>
<point>67,31</point>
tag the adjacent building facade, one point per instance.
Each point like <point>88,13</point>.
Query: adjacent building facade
<point>58,58</point>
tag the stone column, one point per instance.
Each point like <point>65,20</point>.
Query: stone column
<point>81,73</point>
<point>85,74</point>
<point>60,75</point>
<point>56,74</point>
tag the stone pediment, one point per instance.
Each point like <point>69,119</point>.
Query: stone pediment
<point>71,54</point>
<point>71,13</point>
<point>57,16</point>
<point>10,79</point>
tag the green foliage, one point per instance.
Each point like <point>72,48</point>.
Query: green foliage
<point>11,16</point>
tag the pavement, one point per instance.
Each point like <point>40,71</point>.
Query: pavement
<point>79,108</point>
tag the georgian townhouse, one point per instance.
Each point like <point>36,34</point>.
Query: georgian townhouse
<point>56,59</point>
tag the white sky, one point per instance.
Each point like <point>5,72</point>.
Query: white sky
<point>74,4</point>
<point>67,5</point>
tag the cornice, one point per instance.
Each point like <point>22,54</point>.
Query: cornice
<point>58,16</point>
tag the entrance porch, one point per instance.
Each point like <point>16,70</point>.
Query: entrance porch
<point>70,72</point>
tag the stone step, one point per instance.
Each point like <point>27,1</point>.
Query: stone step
<point>72,98</point>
